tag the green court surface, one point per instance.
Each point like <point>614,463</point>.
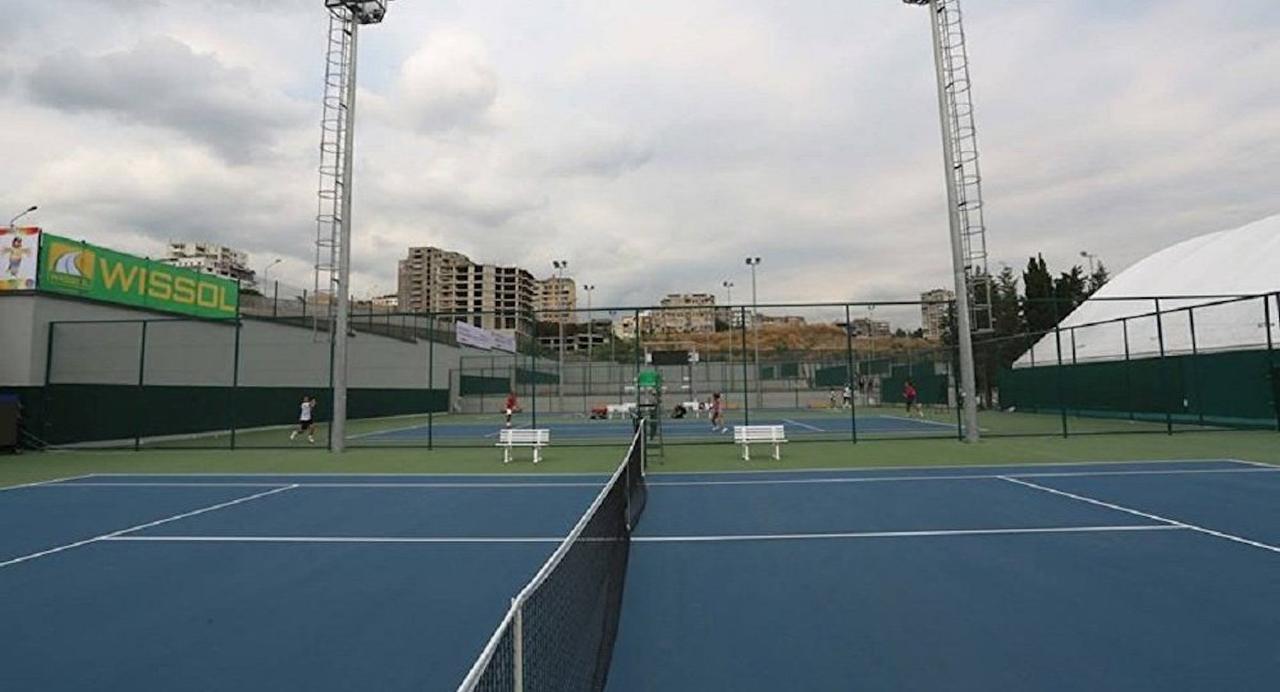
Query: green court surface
<point>1261,446</point>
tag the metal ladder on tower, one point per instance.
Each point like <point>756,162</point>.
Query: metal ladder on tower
<point>966,174</point>
<point>333,143</point>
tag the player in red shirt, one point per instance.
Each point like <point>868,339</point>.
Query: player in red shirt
<point>910,394</point>
<point>510,407</point>
<point>717,413</point>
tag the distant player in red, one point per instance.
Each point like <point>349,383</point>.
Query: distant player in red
<point>717,413</point>
<point>510,407</point>
<point>910,394</point>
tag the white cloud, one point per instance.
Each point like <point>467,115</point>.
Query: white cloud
<point>652,144</point>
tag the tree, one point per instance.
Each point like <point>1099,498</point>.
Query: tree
<point>1037,304</point>
<point>1006,314</point>
<point>1098,278</point>
<point>1070,290</point>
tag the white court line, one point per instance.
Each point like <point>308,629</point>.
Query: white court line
<point>1146,515</point>
<point>518,427</point>
<point>748,472</point>
<point>147,525</point>
<point>1263,464</point>
<point>339,539</point>
<point>371,433</point>
<point>230,484</point>
<point>47,482</point>
<point>803,425</point>
<point>902,534</point>
<point>641,539</point>
<point>860,469</point>
<point>958,477</point>
<point>566,484</point>
<point>949,426</point>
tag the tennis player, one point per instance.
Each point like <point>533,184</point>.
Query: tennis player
<point>306,413</point>
<point>910,394</point>
<point>510,407</point>
<point>717,413</point>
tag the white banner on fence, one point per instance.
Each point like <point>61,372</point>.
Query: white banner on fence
<point>476,337</point>
<point>504,341</point>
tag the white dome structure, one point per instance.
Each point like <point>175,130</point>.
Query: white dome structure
<point>1119,320</point>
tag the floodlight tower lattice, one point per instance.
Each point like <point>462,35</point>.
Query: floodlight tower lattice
<point>333,217</point>
<point>964,191</point>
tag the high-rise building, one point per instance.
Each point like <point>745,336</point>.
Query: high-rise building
<point>687,312</point>
<point>556,299</point>
<point>211,258</point>
<point>933,312</point>
<point>425,277</point>
<point>451,285</point>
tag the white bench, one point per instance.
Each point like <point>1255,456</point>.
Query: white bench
<point>509,438</point>
<point>747,435</point>
<point>620,410</point>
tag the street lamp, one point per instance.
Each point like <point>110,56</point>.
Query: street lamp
<point>560,266</point>
<point>19,216</point>
<point>1089,256</point>
<point>754,262</point>
<point>266,271</point>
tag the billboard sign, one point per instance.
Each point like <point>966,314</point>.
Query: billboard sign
<point>19,248</point>
<point>79,269</point>
<point>471,335</point>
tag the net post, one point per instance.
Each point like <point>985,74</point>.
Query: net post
<point>142,370</point>
<point>517,646</point>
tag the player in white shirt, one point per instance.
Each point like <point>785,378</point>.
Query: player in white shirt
<point>305,415</point>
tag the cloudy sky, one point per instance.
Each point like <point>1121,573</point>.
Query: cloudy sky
<point>652,144</point>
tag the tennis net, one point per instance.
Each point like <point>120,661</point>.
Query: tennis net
<point>559,632</point>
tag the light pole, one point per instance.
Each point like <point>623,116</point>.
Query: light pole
<point>561,301</point>
<point>1089,256</point>
<point>266,271</point>
<point>754,262</point>
<point>28,210</point>
<point>728,290</point>
<point>591,338</point>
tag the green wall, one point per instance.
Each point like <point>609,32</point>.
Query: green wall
<point>1232,388</point>
<point>68,413</point>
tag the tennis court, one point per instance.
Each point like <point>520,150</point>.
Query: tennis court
<point>1151,576</point>
<point>268,582</point>
<point>1154,575</point>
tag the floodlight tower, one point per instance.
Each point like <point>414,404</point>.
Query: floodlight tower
<point>333,218</point>
<point>964,192</point>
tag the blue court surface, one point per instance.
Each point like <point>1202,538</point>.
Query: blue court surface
<point>1135,576</point>
<point>798,424</point>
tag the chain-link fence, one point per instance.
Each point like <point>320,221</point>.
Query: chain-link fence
<point>853,372</point>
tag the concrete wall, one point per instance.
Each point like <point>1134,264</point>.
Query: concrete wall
<point>192,352</point>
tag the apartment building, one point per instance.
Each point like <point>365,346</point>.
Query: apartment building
<point>933,312</point>
<point>499,298</point>
<point>686,312</point>
<point>211,258</point>
<point>556,298</point>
